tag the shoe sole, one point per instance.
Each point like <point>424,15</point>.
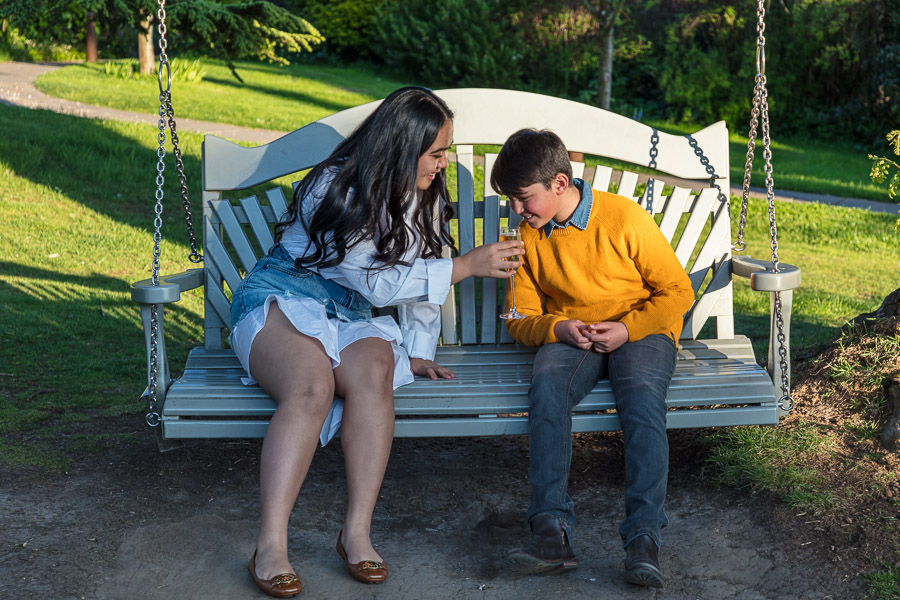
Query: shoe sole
<point>523,564</point>
<point>645,576</point>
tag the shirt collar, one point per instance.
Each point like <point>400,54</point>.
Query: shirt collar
<point>582,213</point>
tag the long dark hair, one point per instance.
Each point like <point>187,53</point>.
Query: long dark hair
<point>379,163</point>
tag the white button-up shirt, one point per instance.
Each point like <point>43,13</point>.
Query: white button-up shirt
<point>417,290</point>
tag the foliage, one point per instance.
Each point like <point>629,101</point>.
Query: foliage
<point>16,46</point>
<point>451,42</point>
<point>348,25</point>
<point>559,48</point>
<point>228,30</point>
<point>881,167</point>
<point>182,70</point>
<point>832,68</point>
<point>709,46</point>
<point>242,30</point>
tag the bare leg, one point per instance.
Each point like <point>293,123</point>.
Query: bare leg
<point>294,369</point>
<point>365,380</point>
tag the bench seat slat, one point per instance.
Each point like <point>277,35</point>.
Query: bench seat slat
<point>491,380</point>
<point>474,426</point>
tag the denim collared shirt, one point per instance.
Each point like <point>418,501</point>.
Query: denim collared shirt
<point>581,215</point>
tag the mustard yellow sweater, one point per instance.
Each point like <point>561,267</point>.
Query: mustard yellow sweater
<point>621,268</point>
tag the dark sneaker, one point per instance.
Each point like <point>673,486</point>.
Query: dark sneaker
<point>547,553</point>
<point>642,563</point>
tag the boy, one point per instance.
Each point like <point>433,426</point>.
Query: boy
<point>604,296</point>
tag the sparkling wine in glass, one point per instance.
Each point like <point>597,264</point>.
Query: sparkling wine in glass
<point>507,234</point>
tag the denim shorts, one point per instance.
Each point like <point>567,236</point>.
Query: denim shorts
<point>276,274</point>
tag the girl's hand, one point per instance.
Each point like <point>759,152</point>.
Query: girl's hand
<point>430,369</point>
<point>487,261</point>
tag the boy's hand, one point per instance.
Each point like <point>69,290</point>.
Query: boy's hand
<point>573,332</point>
<point>607,336</point>
<point>430,369</point>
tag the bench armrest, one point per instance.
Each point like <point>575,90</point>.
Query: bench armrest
<point>764,279</point>
<point>169,288</point>
<point>146,294</point>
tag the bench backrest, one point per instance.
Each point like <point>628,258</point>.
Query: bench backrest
<point>693,216</point>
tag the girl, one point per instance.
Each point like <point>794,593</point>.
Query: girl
<point>365,229</point>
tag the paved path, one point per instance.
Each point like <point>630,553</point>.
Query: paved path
<point>17,88</point>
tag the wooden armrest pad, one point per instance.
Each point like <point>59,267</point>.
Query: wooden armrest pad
<point>169,288</point>
<point>762,277</point>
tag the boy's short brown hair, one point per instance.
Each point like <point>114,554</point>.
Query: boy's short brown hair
<point>529,156</point>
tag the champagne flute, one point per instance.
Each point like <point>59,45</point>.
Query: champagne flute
<point>507,234</point>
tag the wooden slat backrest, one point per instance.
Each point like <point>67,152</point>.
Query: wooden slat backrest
<point>694,219</point>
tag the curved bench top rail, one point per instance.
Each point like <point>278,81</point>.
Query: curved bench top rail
<point>482,117</point>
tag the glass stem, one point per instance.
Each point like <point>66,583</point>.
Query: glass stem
<point>512,283</point>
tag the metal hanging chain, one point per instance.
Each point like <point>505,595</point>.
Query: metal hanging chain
<point>704,160</point>
<point>166,110</point>
<point>760,114</point>
<point>166,113</point>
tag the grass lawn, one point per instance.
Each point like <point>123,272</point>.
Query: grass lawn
<point>271,97</point>
<point>279,98</point>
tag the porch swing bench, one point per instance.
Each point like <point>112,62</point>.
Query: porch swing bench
<point>717,380</point>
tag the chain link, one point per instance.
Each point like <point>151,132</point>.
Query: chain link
<point>166,118</point>
<point>651,183</point>
<point>704,160</point>
<point>760,116</point>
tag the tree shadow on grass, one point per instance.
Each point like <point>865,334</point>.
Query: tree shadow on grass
<point>95,163</point>
<point>75,342</point>
<point>296,96</point>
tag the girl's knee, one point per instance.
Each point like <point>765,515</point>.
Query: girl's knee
<point>311,396</point>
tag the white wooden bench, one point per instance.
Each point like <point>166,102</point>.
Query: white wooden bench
<point>717,380</point>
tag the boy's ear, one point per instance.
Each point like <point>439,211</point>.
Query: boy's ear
<point>560,183</point>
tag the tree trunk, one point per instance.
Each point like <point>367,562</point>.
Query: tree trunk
<point>146,58</point>
<point>604,82</point>
<point>90,38</point>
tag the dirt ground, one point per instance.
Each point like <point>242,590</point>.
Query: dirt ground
<point>130,522</point>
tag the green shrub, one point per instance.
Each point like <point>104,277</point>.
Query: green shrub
<point>348,25</point>
<point>559,49</point>
<point>182,70</point>
<point>450,42</point>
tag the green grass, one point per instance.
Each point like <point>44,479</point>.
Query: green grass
<point>883,585</point>
<point>271,97</point>
<point>763,458</point>
<point>76,200</point>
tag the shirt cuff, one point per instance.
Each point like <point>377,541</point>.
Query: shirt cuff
<point>438,271</point>
<point>419,344</point>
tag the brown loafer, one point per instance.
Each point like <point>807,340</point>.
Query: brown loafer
<point>367,571</point>
<point>280,586</point>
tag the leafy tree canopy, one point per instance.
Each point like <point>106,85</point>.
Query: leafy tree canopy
<point>224,29</point>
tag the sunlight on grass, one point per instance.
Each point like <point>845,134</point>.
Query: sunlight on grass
<point>762,458</point>
<point>271,97</point>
